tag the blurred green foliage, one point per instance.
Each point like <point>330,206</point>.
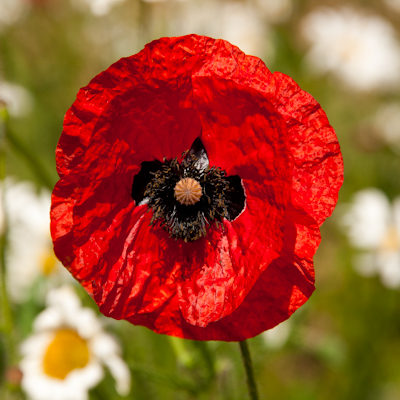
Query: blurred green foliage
<point>344,343</point>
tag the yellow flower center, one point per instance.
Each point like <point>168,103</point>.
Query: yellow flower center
<point>49,262</point>
<point>188,191</point>
<point>391,241</point>
<point>67,351</point>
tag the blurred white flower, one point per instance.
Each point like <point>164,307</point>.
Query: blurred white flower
<point>239,23</point>
<point>373,226</point>
<point>278,336</point>
<point>29,252</point>
<point>275,11</point>
<point>393,4</point>
<point>360,50</point>
<point>64,357</point>
<point>97,7</point>
<point>112,39</point>
<point>387,123</point>
<point>11,11</point>
<point>18,100</point>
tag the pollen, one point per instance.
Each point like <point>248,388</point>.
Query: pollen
<point>67,351</point>
<point>188,191</point>
<point>49,263</point>
<point>391,241</point>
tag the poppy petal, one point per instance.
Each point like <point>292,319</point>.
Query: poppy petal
<point>261,127</point>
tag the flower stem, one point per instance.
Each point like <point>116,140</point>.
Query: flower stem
<point>6,319</point>
<point>251,383</point>
<point>30,157</point>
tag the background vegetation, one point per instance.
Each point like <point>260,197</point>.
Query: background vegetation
<point>345,342</point>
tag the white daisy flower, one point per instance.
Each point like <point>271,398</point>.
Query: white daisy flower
<point>360,50</point>
<point>387,124</point>
<point>97,7</point>
<point>11,11</point>
<point>277,337</point>
<point>18,100</point>
<point>65,355</point>
<point>275,11</point>
<point>393,4</point>
<point>239,23</point>
<point>29,254</point>
<point>373,226</point>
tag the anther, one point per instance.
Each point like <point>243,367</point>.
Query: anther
<point>188,191</point>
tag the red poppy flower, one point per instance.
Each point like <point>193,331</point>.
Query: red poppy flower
<point>193,182</point>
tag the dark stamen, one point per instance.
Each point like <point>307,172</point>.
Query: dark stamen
<point>221,196</point>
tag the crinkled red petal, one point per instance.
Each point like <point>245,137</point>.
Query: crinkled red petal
<point>281,289</point>
<point>234,283</point>
<point>234,122</point>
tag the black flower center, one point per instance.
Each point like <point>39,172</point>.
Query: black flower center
<point>187,197</point>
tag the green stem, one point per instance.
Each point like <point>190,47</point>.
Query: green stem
<point>30,157</point>
<point>251,383</point>
<point>208,359</point>
<point>6,316</point>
